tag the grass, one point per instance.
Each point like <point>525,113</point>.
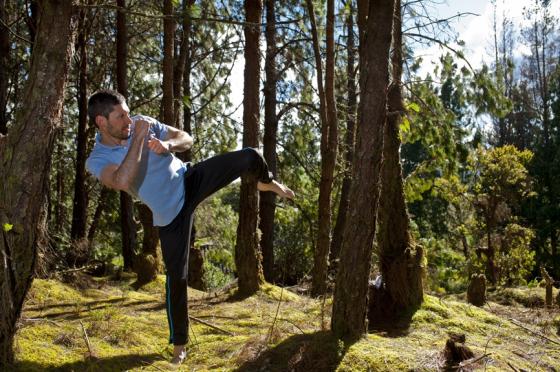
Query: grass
<point>274,330</point>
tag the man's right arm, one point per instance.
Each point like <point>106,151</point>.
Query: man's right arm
<point>121,177</point>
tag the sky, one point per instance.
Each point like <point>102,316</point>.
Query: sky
<point>474,30</point>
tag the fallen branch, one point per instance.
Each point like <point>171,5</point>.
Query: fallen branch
<point>40,320</point>
<point>86,338</point>
<point>211,325</point>
<point>512,367</point>
<point>533,332</point>
<point>472,361</point>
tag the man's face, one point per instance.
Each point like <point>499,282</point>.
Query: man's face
<point>118,124</point>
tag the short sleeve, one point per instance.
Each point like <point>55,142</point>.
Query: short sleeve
<point>95,165</point>
<point>159,130</point>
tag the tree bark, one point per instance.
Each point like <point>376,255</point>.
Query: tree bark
<point>328,151</point>
<point>25,164</point>
<point>128,227</point>
<point>79,211</point>
<point>146,263</point>
<point>168,49</point>
<point>4,67</point>
<point>268,199</point>
<point>101,203</point>
<point>401,290</point>
<point>180,66</point>
<point>247,254</point>
<point>348,149</point>
<point>350,297</point>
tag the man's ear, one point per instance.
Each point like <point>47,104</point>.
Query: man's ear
<point>100,120</point>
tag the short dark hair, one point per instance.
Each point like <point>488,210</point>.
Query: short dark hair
<point>102,103</point>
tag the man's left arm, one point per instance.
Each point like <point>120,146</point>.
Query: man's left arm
<point>175,140</point>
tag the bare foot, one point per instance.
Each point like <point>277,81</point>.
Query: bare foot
<point>276,187</point>
<point>179,354</point>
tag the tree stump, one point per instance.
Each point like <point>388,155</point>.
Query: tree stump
<point>548,286</point>
<point>476,293</point>
<point>455,351</point>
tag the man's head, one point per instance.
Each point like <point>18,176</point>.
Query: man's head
<point>108,111</point>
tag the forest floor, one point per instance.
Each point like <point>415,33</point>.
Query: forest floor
<point>105,325</point>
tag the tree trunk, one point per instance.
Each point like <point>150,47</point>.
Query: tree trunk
<point>128,227</point>
<point>101,203</point>
<point>146,264</point>
<point>350,297</point>
<point>268,199</point>
<point>168,49</point>
<point>4,67</point>
<point>328,152</point>
<point>79,211</point>
<point>181,64</point>
<point>25,164</point>
<point>400,262</point>
<point>348,149</point>
<point>247,254</point>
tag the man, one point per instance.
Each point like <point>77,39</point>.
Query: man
<point>135,155</point>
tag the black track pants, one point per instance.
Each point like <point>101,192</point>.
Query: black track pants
<point>201,180</point>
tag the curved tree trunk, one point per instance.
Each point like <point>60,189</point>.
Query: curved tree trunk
<point>340,224</point>
<point>350,297</point>
<point>247,254</point>
<point>25,164</point>
<point>268,199</point>
<point>401,291</point>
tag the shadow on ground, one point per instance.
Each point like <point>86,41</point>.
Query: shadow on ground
<point>319,351</point>
<point>115,363</point>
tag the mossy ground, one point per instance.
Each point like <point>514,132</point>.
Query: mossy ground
<point>127,330</point>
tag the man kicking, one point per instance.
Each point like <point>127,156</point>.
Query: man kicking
<point>135,155</point>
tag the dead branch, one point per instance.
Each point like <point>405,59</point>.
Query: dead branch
<point>211,326</point>
<point>269,336</point>
<point>472,361</point>
<point>86,338</point>
<point>533,332</point>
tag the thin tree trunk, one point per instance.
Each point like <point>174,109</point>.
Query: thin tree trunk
<point>146,263</point>
<point>101,204</point>
<point>25,164</point>
<point>328,150</point>
<point>401,292</point>
<point>79,211</point>
<point>268,199</point>
<point>128,227</point>
<point>350,298</point>
<point>4,67</point>
<point>181,64</point>
<point>168,49</point>
<point>340,225</point>
<point>247,254</point>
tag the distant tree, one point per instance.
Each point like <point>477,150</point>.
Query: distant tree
<point>247,254</point>
<point>502,182</point>
<point>25,165</point>
<point>350,297</point>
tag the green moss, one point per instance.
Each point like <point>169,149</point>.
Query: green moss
<point>127,330</point>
